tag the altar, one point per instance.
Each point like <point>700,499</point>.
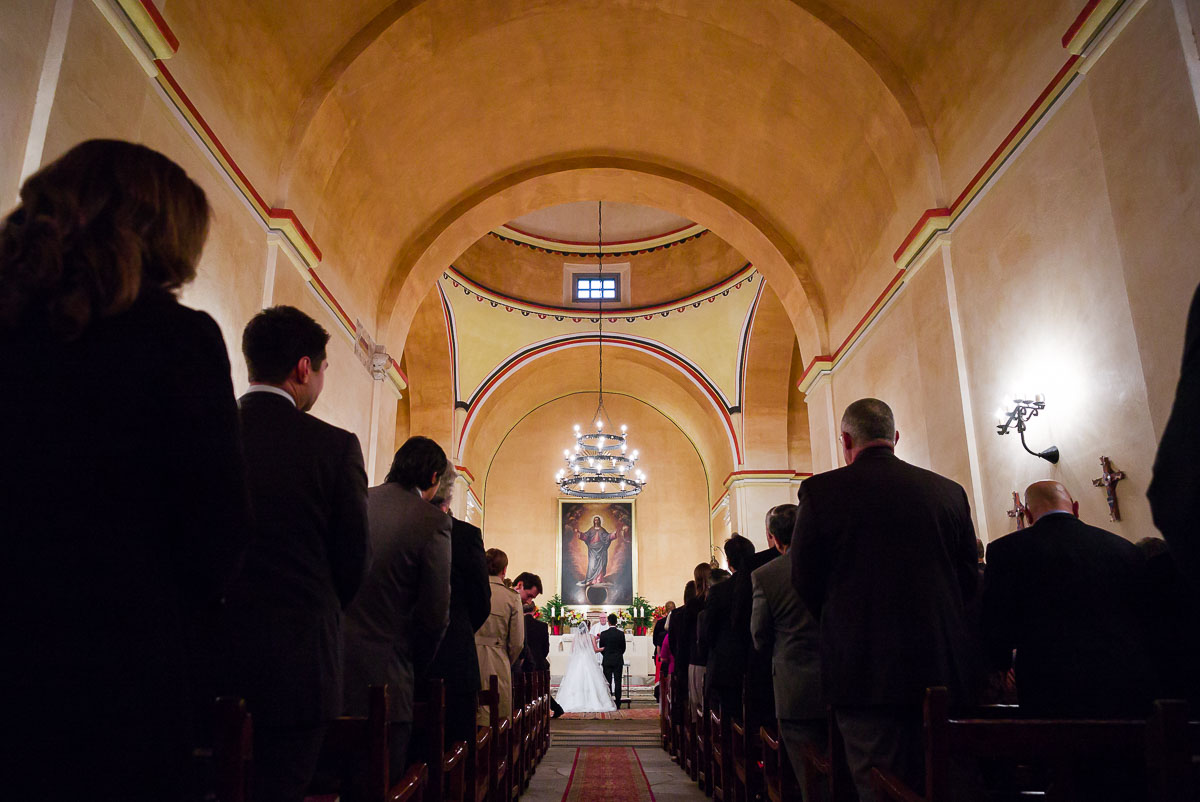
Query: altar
<point>639,656</point>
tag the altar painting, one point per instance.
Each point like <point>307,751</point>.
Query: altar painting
<point>596,552</point>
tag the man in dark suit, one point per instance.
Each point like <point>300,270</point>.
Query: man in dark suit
<point>456,662</point>
<point>884,554</point>
<point>726,656</point>
<point>396,622</point>
<point>308,490</point>
<point>1068,598</point>
<point>536,655</point>
<point>753,667</point>
<point>612,647</point>
<point>1174,491</point>
<point>785,631</point>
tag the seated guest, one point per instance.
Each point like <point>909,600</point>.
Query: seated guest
<point>726,662</point>
<point>396,622</point>
<point>1067,597</point>
<point>455,661</point>
<point>123,505</point>
<point>308,489</point>
<point>499,642</point>
<point>783,627</point>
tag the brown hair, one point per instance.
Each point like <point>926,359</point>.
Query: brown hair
<point>701,575</point>
<point>92,229</point>
<point>497,562</point>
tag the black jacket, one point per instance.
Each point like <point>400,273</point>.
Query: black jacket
<point>536,656</point>
<point>884,554</point>
<point>1068,597</point>
<point>123,509</point>
<point>308,491</point>
<point>470,605</point>
<point>612,645</point>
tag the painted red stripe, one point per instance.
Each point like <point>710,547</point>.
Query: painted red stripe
<point>926,216</point>
<point>396,365</point>
<point>1079,21</point>
<point>290,215</point>
<point>332,300</point>
<point>161,24</point>
<point>613,243</point>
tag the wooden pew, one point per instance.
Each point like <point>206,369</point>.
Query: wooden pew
<point>411,787</point>
<point>747,756</point>
<point>827,772</point>
<point>447,767</point>
<point>229,762</point>
<point>528,724</point>
<point>780,779</point>
<point>702,761</point>
<point>516,742</point>
<point>1056,743</point>
<point>498,786</point>
<point>478,778</point>
<point>721,765</point>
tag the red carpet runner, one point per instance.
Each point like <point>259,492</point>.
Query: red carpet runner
<point>609,773</point>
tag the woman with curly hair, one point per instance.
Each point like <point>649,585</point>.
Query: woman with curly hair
<point>123,509</point>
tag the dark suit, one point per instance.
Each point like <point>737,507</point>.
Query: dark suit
<point>396,622</point>
<point>722,677</point>
<point>537,652</point>
<point>470,604</point>
<point>124,513</point>
<point>753,667</point>
<point>305,563</point>
<point>1174,491</point>
<point>1068,597</point>
<point>884,553</point>
<point>612,647</point>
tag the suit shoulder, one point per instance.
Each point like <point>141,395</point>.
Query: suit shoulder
<point>459,528</point>
<point>334,435</point>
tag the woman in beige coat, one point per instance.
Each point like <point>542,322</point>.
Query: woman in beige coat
<point>502,637</point>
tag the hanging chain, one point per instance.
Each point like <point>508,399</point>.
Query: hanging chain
<point>600,259</point>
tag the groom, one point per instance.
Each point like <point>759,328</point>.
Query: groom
<point>612,646</point>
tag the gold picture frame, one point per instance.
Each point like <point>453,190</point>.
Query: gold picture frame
<point>611,551</point>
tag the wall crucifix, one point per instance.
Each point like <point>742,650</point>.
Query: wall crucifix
<point>1108,480</point>
<point>1019,510</point>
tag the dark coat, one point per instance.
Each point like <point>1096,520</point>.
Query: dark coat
<point>306,561</point>
<point>659,633</point>
<point>884,554</point>
<point>398,618</point>
<point>1067,596</point>
<point>693,655</point>
<point>537,645</point>
<point>470,604</point>
<point>124,513</point>
<point>724,663</point>
<point>1174,491</point>
<point>612,647</point>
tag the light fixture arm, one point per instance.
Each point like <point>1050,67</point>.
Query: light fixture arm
<point>1023,410</point>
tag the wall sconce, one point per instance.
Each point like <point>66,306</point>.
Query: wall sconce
<point>1023,409</point>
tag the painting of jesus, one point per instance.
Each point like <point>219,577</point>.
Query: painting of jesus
<point>596,552</point>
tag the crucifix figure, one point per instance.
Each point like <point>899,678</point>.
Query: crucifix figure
<point>1018,511</point>
<point>1108,480</point>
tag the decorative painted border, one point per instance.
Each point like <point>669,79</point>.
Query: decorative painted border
<point>757,477</point>
<point>149,24</point>
<point>1083,31</point>
<point>498,300</point>
<point>657,350</point>
<point>515,236</point>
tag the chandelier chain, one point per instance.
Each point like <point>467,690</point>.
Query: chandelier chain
<point>600,268</point>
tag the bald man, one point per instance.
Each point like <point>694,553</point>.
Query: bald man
<point>1067,598</point>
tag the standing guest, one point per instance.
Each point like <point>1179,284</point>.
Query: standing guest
<point>679,651</point>
<point>783,627</point>
<point>528,586</point>
<point>455,661</point>
<point>499,642</point>
<point>1068,598</point>
<point>884,553</point>
<point>309,552</point>
<point>396,622</point>
<point>1174,491</point>
<point>659,636</point>
<point>536,655</point>
<point>612,648</point>
<point>115,388</point>
<point>696,660</point>
<point>748,663</point>
<point>726,657</point>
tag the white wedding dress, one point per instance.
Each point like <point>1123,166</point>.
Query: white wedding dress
<point>583,688</point>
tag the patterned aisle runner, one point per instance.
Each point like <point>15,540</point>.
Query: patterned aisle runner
<point>609,773</point>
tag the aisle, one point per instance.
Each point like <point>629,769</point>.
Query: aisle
<point>608,761</point>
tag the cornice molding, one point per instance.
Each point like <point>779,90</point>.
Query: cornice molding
<point>514,236</point>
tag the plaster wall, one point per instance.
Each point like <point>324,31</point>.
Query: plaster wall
<point>23,37</point>
<point>671,516</point>
<point>750,502</point>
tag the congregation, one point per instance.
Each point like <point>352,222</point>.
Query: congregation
<point>219,546</point>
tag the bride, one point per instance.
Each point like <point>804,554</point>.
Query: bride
<point>583,688</point>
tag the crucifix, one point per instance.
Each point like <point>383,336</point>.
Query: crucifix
<point>1108,480</point>
<point>1018,511</point>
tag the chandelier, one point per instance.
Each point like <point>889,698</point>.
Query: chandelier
<point>600,466</point>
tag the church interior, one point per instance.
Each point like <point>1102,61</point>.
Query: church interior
<point>945,205</point>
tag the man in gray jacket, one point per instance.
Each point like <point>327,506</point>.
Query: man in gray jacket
<point>402,609</point>
<point>781,625</point>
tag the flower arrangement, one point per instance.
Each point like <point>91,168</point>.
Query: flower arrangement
<point>574,617</point>
<point>553,612</point>
<point>660,612</point>
<point>638,615</point>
